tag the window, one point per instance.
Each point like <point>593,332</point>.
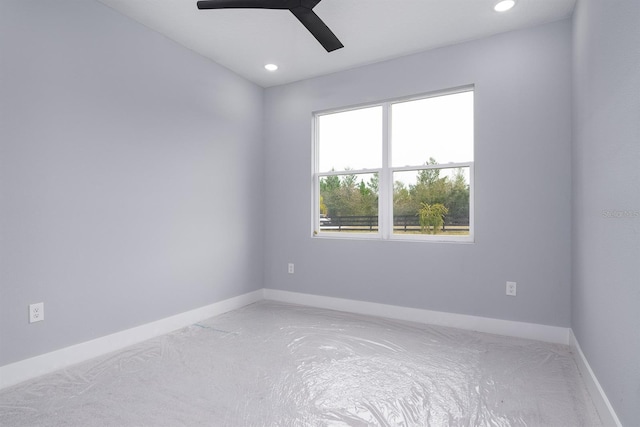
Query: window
<point>400,169</point>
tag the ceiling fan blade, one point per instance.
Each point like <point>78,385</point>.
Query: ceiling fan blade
<point>309,4</point>
<point>247,4</point>
<point>301,9</point>
<point>317,28</point>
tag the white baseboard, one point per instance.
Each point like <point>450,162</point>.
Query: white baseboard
<point>605,410</point>
<point>40,365</point>
<point>554,334</point>
<point>24,370</point>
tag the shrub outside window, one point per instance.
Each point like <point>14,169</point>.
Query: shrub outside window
<point>396,170</point>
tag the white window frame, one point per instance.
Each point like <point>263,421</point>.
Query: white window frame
<point>385,174</point>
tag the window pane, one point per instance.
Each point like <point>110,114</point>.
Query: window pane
<point>350,140</point>
<point>431,201</point>
<point>433,130</point>
<point>349,203</point>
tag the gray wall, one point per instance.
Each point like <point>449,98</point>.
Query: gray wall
<point>131,177</point>
<point>130,173</point>
<point>606,185</point>
<point>523,149</point>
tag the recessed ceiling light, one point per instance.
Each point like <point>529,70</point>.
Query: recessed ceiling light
<point>504,5</point>
<point>271,67</point>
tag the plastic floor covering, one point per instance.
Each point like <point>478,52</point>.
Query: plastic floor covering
<point>273,364</point>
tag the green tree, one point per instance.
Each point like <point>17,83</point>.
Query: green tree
<point>432,217</point>
<point>323,207</point>
<point>368,197</point>
<point>457,200</point>
<point>374,183</point>
<point>349,195</point>
<point>429,176</point>
<point>329,193</point>
<point>330,183</point>
<point>430,188</point>
<point>403,203</point>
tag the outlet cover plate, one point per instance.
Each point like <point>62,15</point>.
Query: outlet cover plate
<point>36,312</point>
<point>511,289</point>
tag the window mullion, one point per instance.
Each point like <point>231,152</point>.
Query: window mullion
<point>315,179</point>
<point>385,219</point>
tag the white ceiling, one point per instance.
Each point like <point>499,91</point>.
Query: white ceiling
<point>244,40</point>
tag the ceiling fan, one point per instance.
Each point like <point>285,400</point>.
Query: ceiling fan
<point>302,9</point>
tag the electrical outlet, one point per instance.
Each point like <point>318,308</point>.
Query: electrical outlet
<point>511,289</point>
<point>291,268</point>
<point>36,312</point>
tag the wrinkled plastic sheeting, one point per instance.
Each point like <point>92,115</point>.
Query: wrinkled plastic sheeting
<point>273,364</point>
